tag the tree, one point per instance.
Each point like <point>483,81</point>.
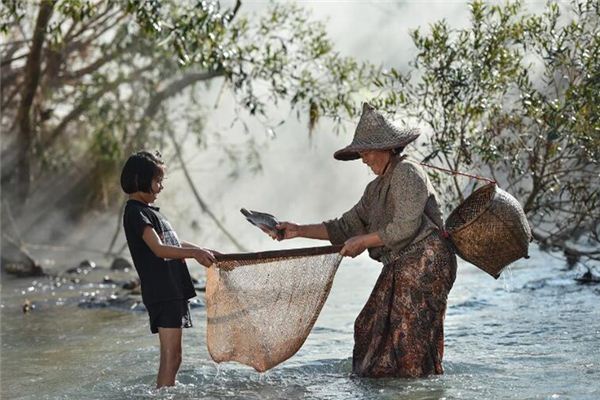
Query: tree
<point>515,97</point>
<point>86,82</point>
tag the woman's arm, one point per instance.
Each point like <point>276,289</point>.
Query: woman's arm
<point>352,247</point>
<point>162,250</point>
<point>357,244</point>
<point>291,230</point>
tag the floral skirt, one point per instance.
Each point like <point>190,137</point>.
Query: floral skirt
<point>400,331</point>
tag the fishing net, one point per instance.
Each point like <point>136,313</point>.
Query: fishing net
<point>262,306</point>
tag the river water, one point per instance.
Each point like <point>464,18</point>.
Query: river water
<point>532,334</point>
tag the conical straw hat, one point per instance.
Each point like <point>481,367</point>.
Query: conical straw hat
<point>374,132</point>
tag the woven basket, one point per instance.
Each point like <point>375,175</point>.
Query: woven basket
<point>489,229</point>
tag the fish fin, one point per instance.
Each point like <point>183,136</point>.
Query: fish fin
<point>262,213</point>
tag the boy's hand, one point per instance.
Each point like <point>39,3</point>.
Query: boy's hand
<point>213,252</point>
<point>204,257</point>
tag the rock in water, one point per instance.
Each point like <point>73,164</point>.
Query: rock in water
<point>22,268</point>
<point>120,264</point>
<point>84,267</point>
<point>588,278</point>
<point>132,284</point>
<point>27,306</point>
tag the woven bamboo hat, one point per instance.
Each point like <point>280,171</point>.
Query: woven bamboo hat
<point>374,132</point>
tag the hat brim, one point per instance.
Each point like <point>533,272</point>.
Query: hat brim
<point>350,152</point>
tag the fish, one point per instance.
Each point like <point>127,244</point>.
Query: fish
<point>263,221</point>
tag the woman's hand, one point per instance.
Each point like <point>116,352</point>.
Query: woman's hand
<point>354,246</point>
<point>287,230</point>
<point>204,257</point>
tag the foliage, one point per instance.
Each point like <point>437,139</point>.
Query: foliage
<point>107,75</point>
<point>516,97</point>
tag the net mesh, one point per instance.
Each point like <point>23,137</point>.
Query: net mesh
<point>262,306</point>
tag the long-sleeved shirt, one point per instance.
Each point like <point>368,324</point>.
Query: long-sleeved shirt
<point>400,206</point>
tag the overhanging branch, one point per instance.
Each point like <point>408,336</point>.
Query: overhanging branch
<point>201,202</point>
<point>171,90</point>
<point>560,244</point>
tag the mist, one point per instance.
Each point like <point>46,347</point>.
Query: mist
<point>300,181</point>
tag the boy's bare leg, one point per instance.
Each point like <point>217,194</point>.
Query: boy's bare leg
<point>170,356</point>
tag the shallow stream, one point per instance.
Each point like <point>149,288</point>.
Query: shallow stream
<point>532,334</point>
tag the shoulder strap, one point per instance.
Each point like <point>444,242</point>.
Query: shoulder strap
<point>452,172</point>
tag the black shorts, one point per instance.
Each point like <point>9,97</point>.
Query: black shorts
<point>169,314</point>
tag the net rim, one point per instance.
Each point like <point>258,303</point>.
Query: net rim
<point>261,255</point>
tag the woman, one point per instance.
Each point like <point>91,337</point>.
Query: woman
<point>399,332</point>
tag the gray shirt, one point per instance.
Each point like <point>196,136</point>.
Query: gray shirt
<point>400,206</point>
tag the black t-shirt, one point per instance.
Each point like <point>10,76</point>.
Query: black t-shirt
<point>161,279</point>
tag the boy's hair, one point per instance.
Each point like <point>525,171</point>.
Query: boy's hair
<point>139,170</point>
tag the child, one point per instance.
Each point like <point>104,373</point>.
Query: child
<point>158,258</point>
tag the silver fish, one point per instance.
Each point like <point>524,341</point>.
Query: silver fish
<point>262,220</point>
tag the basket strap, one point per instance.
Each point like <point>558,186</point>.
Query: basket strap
<point>480,178</point>
<point>442,231</point>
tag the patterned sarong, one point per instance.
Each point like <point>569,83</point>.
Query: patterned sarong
<point>400,331</point>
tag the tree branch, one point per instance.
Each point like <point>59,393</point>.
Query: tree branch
<point>11,77</point>
<point>89,25</point>
<point>97,32</point>
<point>201,202</point>
<point>236,8</point>
<point>9,97</point>
<point>172,89</point>
<point>93,66</point>
<point>8,61</point>
<point>117,230</point>
<point>85,103</point>
<point>547,240</point>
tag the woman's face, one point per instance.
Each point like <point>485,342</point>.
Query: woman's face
<point>377,160</point>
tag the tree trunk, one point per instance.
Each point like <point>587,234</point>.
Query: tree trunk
<point>19,182</point>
